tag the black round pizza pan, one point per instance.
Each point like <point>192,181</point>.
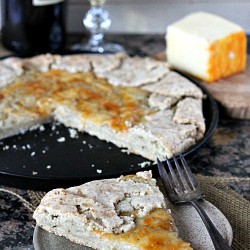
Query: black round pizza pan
<point>51,157</point>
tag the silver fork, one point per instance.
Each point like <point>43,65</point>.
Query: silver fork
<point>182,187</point>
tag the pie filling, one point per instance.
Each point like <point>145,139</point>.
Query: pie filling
<point>154,231</point>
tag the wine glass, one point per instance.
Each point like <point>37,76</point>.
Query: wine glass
<point>97,22</point>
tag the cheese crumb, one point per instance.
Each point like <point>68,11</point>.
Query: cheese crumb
<point>41,128</point>
<point>62,139</point>
<point>144,164</point>
<point>6,147</point>
<point>73,133</point>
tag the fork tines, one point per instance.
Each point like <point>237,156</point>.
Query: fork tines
<point>180,179</point>
<point>182,188</point>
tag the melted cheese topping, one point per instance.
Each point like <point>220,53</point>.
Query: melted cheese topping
<point>155,231</point>
<point>94,98</point>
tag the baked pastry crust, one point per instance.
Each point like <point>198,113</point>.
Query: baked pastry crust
<point>135,103</point>
<point>123,213</point>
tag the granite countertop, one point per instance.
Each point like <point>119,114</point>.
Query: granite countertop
<point>225,154</point>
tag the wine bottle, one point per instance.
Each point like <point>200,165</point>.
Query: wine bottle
<point>31,27</point>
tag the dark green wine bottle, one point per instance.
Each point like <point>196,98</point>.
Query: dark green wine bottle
<point>31,27</point>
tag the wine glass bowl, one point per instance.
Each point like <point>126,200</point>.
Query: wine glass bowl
<point>97,21</point>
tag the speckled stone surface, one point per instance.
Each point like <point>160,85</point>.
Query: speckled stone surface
<point>16,223</point>
<point>225,154</point>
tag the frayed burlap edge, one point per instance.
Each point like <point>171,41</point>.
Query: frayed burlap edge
<point>231,204</point>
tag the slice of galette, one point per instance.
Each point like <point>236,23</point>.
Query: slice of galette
<point>126,213</point>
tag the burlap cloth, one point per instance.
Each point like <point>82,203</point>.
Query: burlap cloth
<point>217,191</point>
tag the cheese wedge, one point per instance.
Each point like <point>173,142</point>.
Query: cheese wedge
<point>206,46</point>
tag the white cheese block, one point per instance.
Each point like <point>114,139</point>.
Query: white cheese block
<point>206,46</point>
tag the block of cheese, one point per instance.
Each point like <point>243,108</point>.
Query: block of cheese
<point>206,46</point>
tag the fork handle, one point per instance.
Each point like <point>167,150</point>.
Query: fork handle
<point>218,241</point>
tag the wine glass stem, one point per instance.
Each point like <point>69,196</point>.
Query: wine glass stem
<point>96,39</point>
